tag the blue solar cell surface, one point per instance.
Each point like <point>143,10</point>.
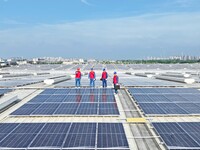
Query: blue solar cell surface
<point>111,135</point>
<point>180,135</point>
<point>71,102</point>
<point>63,136</point>
<point>167,101</point>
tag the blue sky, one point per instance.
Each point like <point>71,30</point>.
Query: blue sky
<point>102,29</point>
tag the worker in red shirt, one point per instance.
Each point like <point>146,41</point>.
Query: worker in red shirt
<point>78,78</point>
<point>115,81</point>
<point>104,78</point>
<point>92,77</point>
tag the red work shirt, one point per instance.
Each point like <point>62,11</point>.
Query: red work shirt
<point>78,74</point>
<point>104,75</point>
<point>92,75</point>
<point>115,79</point>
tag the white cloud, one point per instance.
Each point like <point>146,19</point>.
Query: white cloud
<point>140,36</point>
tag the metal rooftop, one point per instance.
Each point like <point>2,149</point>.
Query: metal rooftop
<point>108,118</point>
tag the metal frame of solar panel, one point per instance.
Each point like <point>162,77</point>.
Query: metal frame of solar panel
<point>167,101</point>
<point>179,135</point>
<point>71,102</point>
<point>62,136</point>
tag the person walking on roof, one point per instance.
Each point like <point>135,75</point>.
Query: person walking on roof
<point>115,82</point>
<point>78,78</point>
<point>104,78</point>
<point>92,77</point>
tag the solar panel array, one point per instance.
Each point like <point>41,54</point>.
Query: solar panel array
<point>62,136</point>
<point>130,80</point>
<point>167,101</point>
<point>71,102</point>
<point>3,91</point>
<point>180,135</point>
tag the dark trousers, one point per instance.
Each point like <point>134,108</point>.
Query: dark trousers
<point>115,88</point>
<point>104,82</point>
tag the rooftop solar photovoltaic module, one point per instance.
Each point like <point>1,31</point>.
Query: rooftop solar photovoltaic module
<point>72,102</point>
<point>179,135</point>
<point>62,136</point>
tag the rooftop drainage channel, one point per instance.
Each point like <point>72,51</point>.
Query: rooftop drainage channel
<point>143,135</point>
<point>128,106</point>
<point>143,138</point>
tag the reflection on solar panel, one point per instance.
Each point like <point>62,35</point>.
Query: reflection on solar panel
<point>3,91</point>
<point>181,135</point>
<point>62,136</point>
<point>165,101</point>
<point>71,102</point>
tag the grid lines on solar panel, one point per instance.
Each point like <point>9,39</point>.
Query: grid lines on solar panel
<point>81,103</point>
<point>108,108</point>
<point>81,135</point>
<point>63,136</point>
<point>171,101</point>
<point>180,135</point>
<point>111,135</point>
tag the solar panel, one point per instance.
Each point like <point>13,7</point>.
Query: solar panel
<point>67,108</point>
<point>7,127</point>
<point>80,140</point>
<point>189,107</point>
<point>77,91</point>
<point>55,128</point>
<point>136,90</point>
<point>170,108</point>
<point>26,109</point>
<point>151,108</point>
<point>46,109</point>
<point>48,140</point>
<point>169,102</point>
<point>71,104</point>
<point>63,136</point>
<point>49,91</point>
<point>87,109</point>
<point>181,135</point>
<point>27,128</point>
<point>62,91</point>
<point>39,99</point>
<point>191,97</point>
<point>73,98</point>
<point>175,98</point>
<point>159,98</point>
<point>108,109</point>
<point>178,140</point>
<point>56,98</point>
<point>107,98</point>
<point>111,135</point>
<point>83,128</point>
<point>140,98</point>
<point>89,98</point>
<point>149,90</point>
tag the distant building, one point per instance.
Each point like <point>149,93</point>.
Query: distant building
<point>3,63</point>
